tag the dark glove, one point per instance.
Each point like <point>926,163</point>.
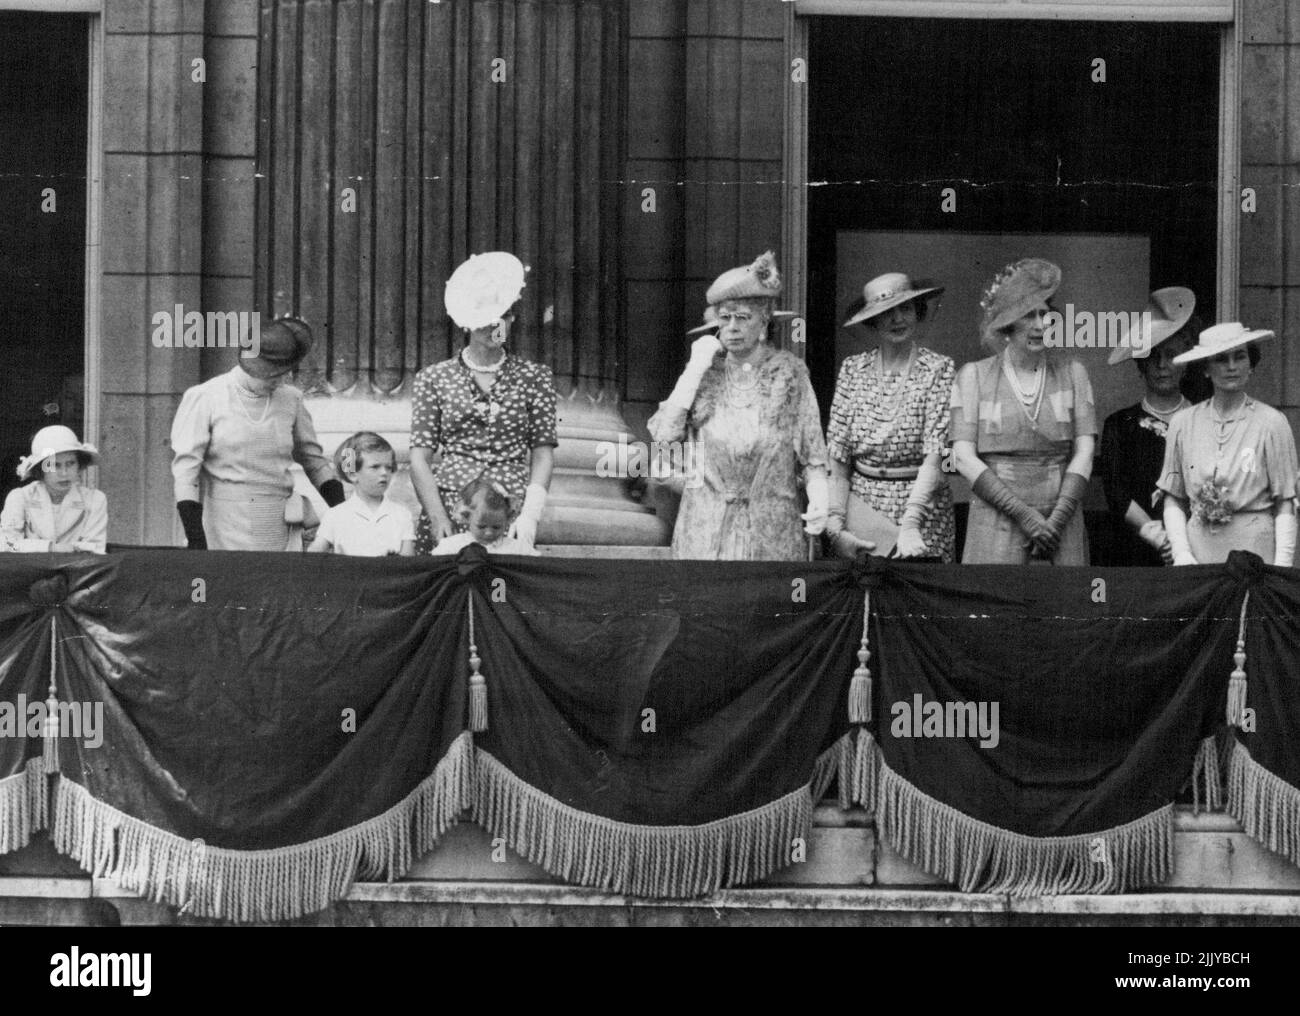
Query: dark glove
<point>987,487</point>
<point>1073,487</point>
<point>332,492</point>
<point>191,513</point>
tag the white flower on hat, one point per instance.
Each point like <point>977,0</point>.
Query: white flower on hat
<point>483,288</point>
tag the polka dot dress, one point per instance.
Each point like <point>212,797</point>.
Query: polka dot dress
<point>490,434</point>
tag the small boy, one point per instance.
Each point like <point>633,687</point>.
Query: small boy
<point>367,524</point>
<point>485,509</point>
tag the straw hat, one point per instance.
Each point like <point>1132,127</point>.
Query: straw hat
<point>1221,339</point>
<point>50,441</point>
<point>886,292</point>
<point>1017,290</point>
<point>1170,309</point>
<point>482,289</point>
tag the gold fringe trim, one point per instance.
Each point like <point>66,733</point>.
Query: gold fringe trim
<point>24,806</point>
<point>1207,775</point>
<point>261,885</point>
<point>862,775</point>
<point>978,857</point>
<point>642,860</point>
<point>1267,807</point>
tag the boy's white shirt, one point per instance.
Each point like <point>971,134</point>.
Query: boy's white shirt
<point>340,528</point>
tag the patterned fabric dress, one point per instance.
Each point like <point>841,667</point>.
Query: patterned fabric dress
<point>892,423</point>
<point>480,433</point>
<point>743,494</point>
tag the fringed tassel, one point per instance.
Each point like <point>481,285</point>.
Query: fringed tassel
<point>1267,807</point>
<point>860,686</point>
<point>1237,683</point>
<point>1206,776</point>
<point>637,860</point>
<point>864,773</point>
<point>978,857</point>
<point>829,766</point>
<point>478,711</point>
<point>261,885</point>
<point>50,731</point>
<point>23,806</point>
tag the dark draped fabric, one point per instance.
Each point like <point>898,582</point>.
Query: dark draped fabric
<point>276,726</point>
<point>1102,705</point>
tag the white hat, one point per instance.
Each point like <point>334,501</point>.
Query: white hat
<point>1220,339</point>
<point>482,289</point>
<point>50,441</point>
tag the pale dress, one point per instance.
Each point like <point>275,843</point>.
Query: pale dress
<point>745,466</point>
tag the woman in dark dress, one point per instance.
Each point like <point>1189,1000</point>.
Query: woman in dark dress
<point>1133,439</point>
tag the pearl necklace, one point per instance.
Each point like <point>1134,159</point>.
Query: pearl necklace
<point>247,393</point>
<point>885,412</point>
<point>1224,428</point>
<point>491,369</point>
<point>1033,398</point>
<point>1164,415</point>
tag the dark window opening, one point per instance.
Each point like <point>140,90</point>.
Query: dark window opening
<point>1009,114</point>
<point>44,68</point>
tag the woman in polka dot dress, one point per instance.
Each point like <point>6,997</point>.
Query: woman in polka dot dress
<point>889,425</point>
<point>490,413</point>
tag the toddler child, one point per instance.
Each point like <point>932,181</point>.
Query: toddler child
<point>485,509</point>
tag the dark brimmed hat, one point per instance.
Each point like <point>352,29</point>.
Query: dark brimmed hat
<point>888,291</point>
<point>285,341</point>
<point>1170,309</point>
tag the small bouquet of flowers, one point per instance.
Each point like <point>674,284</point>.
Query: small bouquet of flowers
<point>1154,425</point>
<point>1211,505</point>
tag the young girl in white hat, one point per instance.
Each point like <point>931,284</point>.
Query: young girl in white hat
<point>55,511</point>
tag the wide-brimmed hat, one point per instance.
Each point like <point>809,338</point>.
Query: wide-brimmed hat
<point>756,281</point>
<point>1170,310</point>
<point>51,441</point>
<point>482,289</point>
<point>711,322</point>
<point>283,344</point>
<point>886,292</point>
<point>1222,338</point>
<point>1017,289</point>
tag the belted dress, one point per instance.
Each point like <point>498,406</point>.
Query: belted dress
<point>884,426</point>
<point>748,438</point>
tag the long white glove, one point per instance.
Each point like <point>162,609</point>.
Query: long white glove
<point>818,503</point>
<point>1176,530</point>
<point>703,350</point>
<point>525,527</point>
<point>1284,533</point>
